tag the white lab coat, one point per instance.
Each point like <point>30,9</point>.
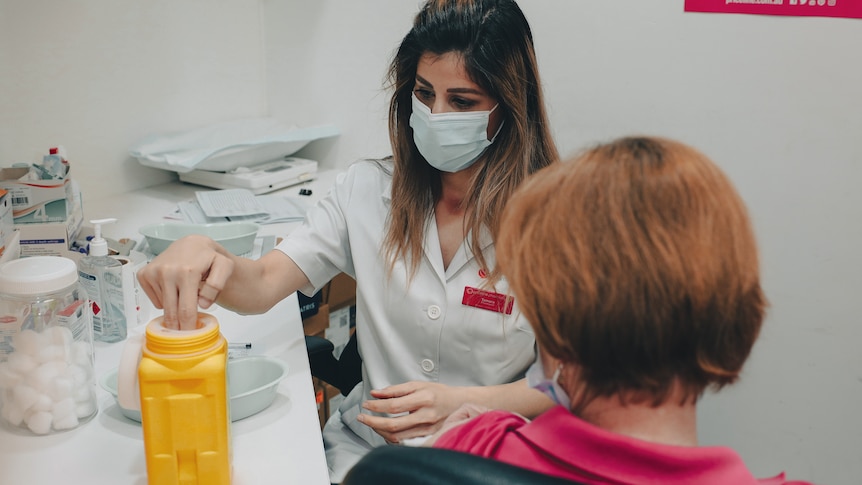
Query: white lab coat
<point>415,332</point>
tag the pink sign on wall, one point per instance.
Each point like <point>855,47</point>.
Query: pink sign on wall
<point>796,8</point>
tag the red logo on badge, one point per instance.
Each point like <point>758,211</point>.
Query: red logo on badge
<point>488,300</point>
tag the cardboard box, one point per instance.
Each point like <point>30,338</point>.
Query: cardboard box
<point>317,323</point>
<point>51,239</point>
<point>37,201</point>
<point>7,227</point>
<point>320,399</point>
<point>338,330</point>
<point>340,292</point>
<point>328,399</point>
<point>333,398</point>
<point>309,305</point>
<point>13,248</point>
<point>335,320</point>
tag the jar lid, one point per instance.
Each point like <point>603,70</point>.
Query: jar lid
<point>37,274</point>
<point>166,341</point>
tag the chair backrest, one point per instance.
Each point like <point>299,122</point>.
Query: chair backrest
<point>343,373</point>
<point>390,465</point>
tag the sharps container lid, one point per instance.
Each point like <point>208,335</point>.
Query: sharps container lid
<point>37,274</point>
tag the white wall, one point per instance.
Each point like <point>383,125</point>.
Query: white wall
<point>96,76</point>
<point>327,63</point>
<point>775,101</point>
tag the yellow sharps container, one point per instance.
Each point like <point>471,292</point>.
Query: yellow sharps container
<point>184,404</point>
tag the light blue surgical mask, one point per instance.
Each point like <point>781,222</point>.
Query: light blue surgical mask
<point>550,387</point>
<point>450,142</point>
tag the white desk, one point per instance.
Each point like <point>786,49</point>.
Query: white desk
<point>281,445</point>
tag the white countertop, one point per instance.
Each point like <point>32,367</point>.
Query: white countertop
<point>280,445</point>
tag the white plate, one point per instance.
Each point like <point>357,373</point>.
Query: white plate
<point>252,385</point>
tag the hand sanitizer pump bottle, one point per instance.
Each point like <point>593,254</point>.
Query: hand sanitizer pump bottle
<point>102,276</point>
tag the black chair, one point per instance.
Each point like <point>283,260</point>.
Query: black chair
<point>390,465</point>
<point>343,373</point>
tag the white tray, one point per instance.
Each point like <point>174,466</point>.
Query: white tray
<point>230,158</point>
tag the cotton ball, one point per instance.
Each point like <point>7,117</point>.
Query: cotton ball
<point>12,413</point>
<point>82,394</point>
<point>22,362</point>
<point>39,422</point>
<point>85,409</point>
<point>82,354</point>
<point>24,396</point>
<point>66,422</point>
<point>42,378</point>
<point>64,387</point>
<point>9,378</point>
<point>64,407</point>
<point>80,376</point>
<point>43,403</point>
<point>65,415</point>
<point>60,336</point>
<point>51,353</point>
<point>28,341</point>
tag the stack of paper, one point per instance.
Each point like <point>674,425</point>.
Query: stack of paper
<point>241,205</point>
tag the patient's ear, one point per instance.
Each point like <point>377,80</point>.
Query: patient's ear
<point>550,364</point>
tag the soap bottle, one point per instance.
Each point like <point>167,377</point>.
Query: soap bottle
<point>102,276</point>
<point>185,414</point>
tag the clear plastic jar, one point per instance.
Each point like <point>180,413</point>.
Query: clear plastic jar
<point>47,381</point>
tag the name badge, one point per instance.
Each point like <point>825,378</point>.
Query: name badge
<point>488,300</point>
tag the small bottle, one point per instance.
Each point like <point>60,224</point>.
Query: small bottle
<point>47,381</point>
<point>185,415</point>
<point>102,276</point>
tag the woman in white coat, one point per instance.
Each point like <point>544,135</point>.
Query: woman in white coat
<point>436,325</point>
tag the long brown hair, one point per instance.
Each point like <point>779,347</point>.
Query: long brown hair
<point>495,42</point>
<point>637,263</point>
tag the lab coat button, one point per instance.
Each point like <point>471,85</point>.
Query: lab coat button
<point>434,312</point>
<point>427,365</point>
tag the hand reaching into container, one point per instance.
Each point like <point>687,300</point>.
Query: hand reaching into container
<point>191,272</point>
<point>195,271</point>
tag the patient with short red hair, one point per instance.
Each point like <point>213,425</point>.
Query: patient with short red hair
<point>637,266</point>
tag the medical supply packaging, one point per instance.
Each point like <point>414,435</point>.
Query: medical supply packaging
<point>7,226</point>
<point>47,208</point>
<point>36,200</point>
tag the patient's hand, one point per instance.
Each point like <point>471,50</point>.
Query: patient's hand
<point>461,415</point>
<point>420,408</point>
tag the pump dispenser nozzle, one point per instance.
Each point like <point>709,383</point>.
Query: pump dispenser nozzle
<point>98,245</point>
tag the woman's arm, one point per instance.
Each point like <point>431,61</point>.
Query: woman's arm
<point>196,271</point>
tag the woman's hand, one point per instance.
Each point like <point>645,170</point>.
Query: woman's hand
<point>427,405</point>
<point>191,272</point>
